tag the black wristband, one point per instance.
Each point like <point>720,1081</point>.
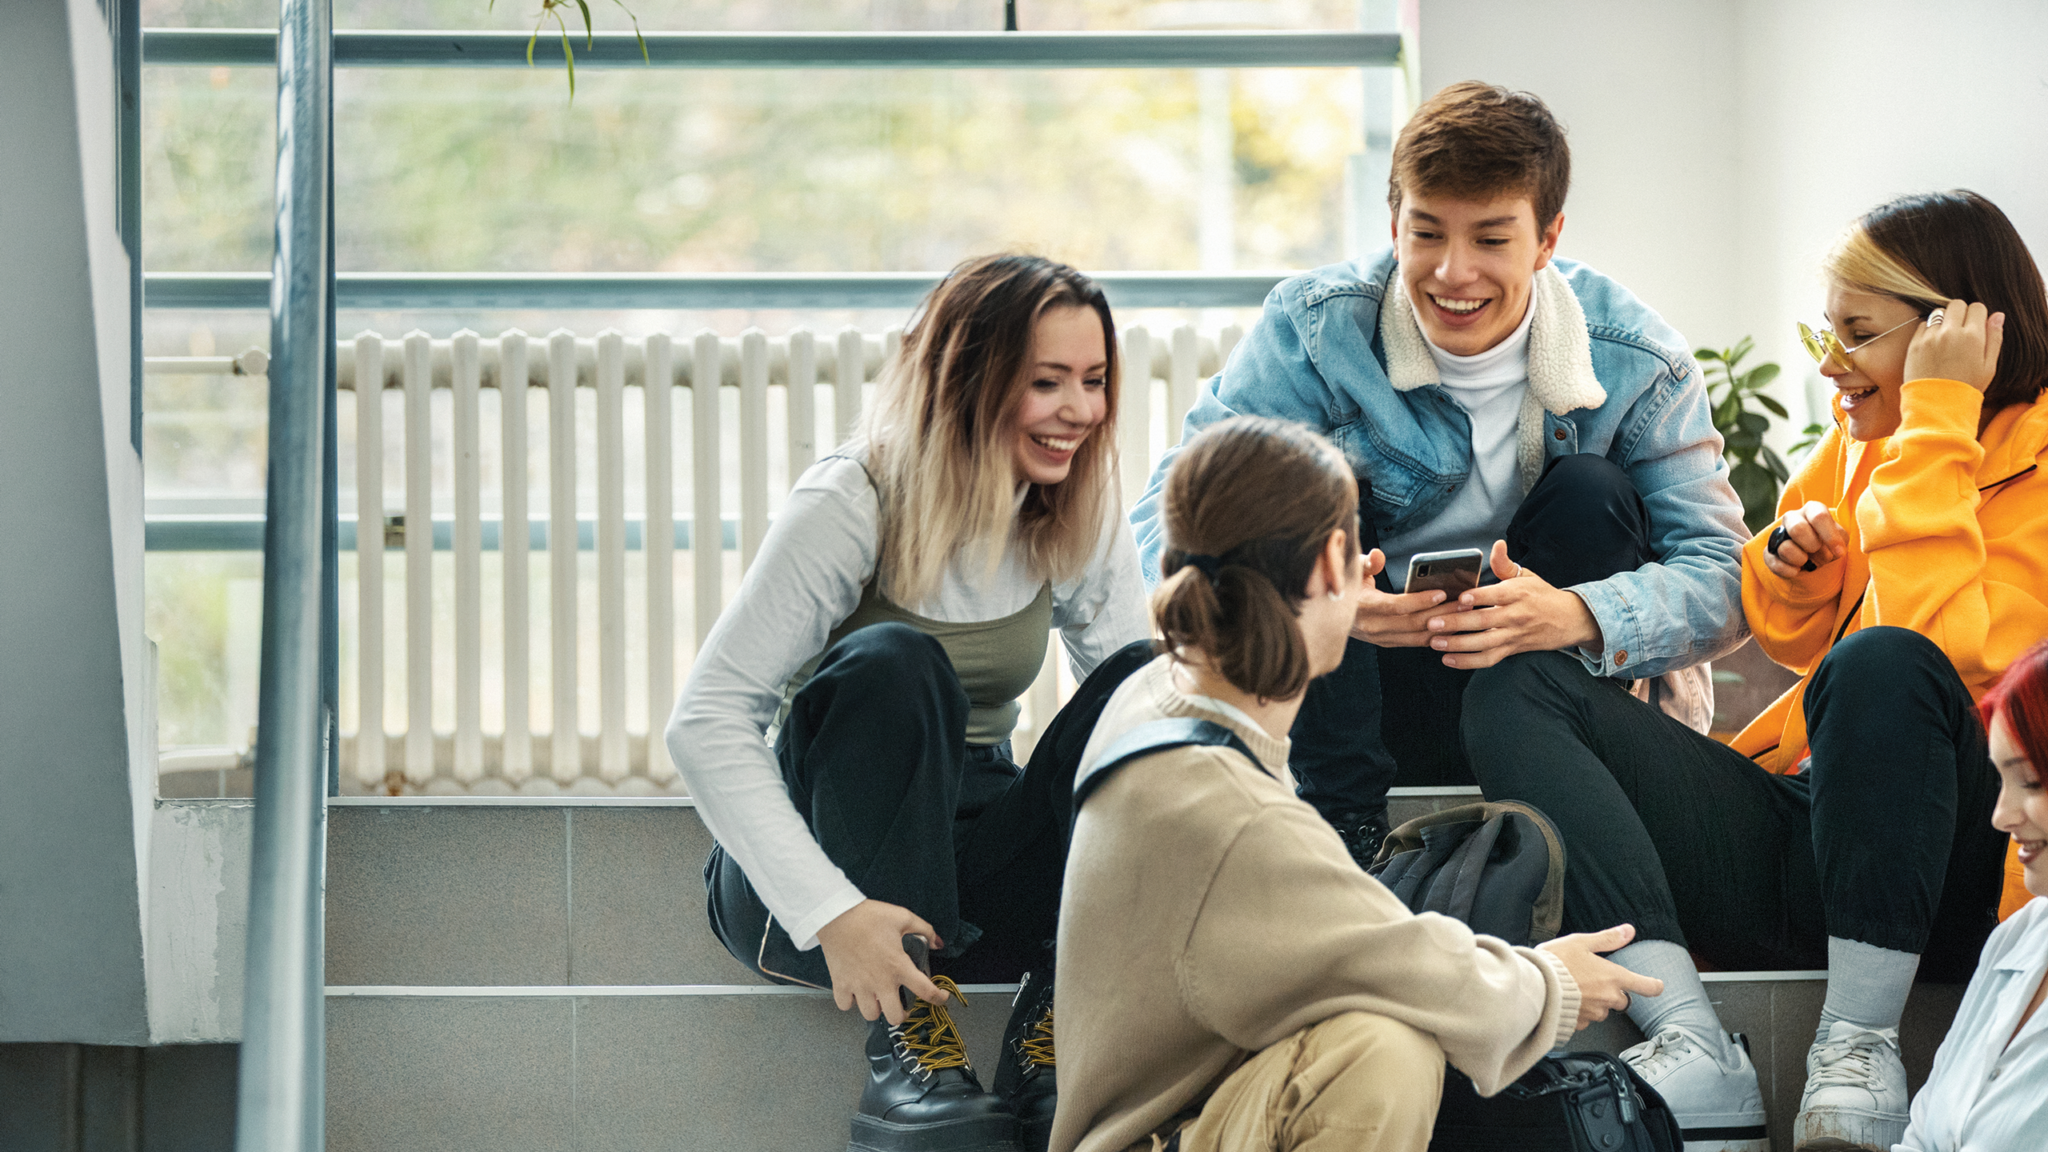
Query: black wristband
<point>1779,537</point>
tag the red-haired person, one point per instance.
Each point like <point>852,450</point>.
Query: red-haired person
<point>1848,826</point>
<point>1987,1087</point>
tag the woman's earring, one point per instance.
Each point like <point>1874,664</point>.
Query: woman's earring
<point>1336,594</point>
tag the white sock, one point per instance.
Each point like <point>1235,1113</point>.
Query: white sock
<point>1867,985</point>
<point>1684,1003</point>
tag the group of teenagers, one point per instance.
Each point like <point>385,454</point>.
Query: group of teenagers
<point>1227,975</point>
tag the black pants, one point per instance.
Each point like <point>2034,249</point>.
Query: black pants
<point>1885,838</point>
<point>1389,716</point>
<point>875,758</point>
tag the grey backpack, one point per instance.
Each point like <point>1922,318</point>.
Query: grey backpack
<point>1498,867</point>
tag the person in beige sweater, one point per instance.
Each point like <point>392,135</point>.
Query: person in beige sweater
<point>1229,979</point>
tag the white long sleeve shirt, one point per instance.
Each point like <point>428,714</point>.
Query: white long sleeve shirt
<point>1984,1094</point>
<point>1489,386</point>
<point>807,577</point>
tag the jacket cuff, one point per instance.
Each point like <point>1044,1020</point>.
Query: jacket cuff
<point>1568,998</point>
<point>1620,651</point>
<point>1934,402</point>
<point>1806,590</point>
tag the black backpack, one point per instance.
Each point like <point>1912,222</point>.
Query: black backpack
<point>1498,867</point>
<point>1569,1102</point>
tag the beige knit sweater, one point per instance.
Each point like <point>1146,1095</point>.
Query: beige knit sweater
<point>1209,913</point>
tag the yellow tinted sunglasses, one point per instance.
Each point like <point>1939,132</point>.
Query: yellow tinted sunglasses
<point>1824,344</point>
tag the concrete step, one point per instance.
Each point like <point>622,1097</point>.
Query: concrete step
<point>751,1069</point>
<point>519,891</point>
<point>740,1069</point>
<point>540,974</point>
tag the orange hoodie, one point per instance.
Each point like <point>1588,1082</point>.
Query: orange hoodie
<point>1947,535</point>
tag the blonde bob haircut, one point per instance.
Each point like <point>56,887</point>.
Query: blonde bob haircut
<point>1855,261</point>
<point>939,431</point>
<point>1932,247</point>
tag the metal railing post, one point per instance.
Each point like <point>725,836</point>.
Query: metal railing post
<point>128,113</point>
<point>281,1102</point>
<point>330,502</point>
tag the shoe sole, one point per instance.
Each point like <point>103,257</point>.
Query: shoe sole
<point>1806,1140</point>
<point>975,1134</point>
<point>1744,1139</point>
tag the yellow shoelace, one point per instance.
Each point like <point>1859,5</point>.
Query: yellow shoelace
<point>928,1033</point>
<point>1036,1044</point>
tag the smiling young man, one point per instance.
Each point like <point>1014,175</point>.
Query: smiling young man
<point>1489,396</point>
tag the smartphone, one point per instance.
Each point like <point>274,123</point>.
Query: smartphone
<point>920,951</point>
<point>1453,571</point>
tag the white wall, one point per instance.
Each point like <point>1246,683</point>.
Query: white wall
<point>1851,104</point>
<point>199,919</point>
<point>75,751</point>
<point>1646,91</point>
<point>1719,145</point>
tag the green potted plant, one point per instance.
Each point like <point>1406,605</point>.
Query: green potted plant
<point>1746,680</point>
<point>1756,471</point>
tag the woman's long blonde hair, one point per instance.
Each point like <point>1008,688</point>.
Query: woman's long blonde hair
<point>938,432</point>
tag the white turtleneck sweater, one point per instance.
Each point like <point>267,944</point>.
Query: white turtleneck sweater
<point>1489,387</point>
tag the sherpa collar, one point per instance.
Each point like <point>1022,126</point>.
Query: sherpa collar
<point>1560,361</point>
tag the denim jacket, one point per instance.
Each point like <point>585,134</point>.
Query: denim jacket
<point>1607,375</point>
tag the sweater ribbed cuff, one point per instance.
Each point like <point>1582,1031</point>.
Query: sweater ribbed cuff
<point>1568,1000</point>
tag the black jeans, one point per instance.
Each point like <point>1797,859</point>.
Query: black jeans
<point>875,758</point>
<point>1389,716</point>
<point>1886,836</point>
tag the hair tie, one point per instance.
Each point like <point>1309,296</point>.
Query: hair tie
<point>1209,565</point>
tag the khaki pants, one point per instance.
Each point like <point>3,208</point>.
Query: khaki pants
<point>1355,1082</point>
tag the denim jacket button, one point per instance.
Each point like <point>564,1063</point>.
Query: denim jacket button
<point>1559,433</point>
<point>1621,658</point>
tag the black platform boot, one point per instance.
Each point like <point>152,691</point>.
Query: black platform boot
<point>1027,1075</point>
<point>922,1094</point>
<point>1362,833</point>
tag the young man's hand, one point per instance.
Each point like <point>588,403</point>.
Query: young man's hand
<point>1522,613</point>
<point>1395,620</point>
<point>1604,986</point>
<point>864,952</point>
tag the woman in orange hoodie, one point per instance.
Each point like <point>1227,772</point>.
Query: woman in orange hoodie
<point>1849,825</point>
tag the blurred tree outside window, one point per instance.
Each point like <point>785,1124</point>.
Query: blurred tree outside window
<point>662,169</point>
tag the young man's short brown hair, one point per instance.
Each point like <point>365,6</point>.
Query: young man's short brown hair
<point>1477,141</point>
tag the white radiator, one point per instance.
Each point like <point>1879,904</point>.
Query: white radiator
<point>798,392</point>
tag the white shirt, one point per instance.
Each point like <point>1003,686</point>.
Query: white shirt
<point>808,577</point>
<point>1985,1095</point>
<point>1489,386</point>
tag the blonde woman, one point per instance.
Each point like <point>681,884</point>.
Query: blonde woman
<point>897,610</point>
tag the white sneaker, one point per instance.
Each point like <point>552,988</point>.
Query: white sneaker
<point>1855,1094</point>
<point>1719,1108</point>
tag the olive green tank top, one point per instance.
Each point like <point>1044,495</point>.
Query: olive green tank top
<point>996,660</point>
